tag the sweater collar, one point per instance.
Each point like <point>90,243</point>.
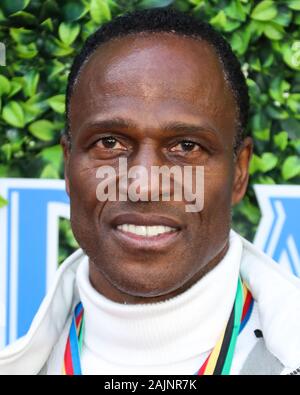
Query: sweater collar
<point>173,330</point>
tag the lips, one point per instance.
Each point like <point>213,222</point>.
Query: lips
<point>146,220</point>
<point>148,232</point>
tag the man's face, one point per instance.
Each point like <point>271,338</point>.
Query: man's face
<point>148,82</point>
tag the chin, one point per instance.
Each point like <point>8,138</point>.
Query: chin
<point>149,284</point>
<point>148,275</point>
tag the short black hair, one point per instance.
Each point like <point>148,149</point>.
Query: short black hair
<point>167,20</point>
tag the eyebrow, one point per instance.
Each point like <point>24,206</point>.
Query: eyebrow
<point>175,126</point>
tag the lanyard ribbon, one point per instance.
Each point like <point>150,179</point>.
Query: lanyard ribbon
<point>73,349</point>
<point>219,360</point>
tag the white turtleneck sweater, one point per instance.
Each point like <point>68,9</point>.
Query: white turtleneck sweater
<point>170,337</point>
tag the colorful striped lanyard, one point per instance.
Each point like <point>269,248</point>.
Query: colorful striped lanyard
<point>217,363</point>
<point>73,349</point>
<point>220,359</point>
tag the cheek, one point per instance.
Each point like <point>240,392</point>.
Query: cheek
<point>83,186</point>
<point>85,207</point>
<point>218,183</point>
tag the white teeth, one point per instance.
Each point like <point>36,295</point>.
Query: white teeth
<point>130,228</point>
<point>146,231</point>
<point>126,227</point>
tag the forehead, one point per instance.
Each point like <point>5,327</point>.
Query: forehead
<point>152,73</point>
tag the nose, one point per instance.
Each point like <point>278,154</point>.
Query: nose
<point>139,171</point>
<point>144,174</point>
<point>147,155</point>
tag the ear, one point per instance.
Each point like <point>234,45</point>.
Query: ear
<point>65,143</point>
<point>241,171</point>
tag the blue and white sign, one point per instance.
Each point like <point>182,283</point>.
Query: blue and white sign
<point>29,229</point>
<point>278,233</point>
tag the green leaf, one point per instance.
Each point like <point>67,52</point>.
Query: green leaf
<point>294,5</point>
<point>15,87</point>
<point>251,212</point>
<point>71,239</point>
<point>43,130</point>
<point>264,11</point>
<point>58,48</point>
<point>3,202</point>
<point>49,172</point>
<point>262,135</point>
<point>23,18</point>
<point>274,31</point>
<point>260,126</point>
<point>57,103</point>
<point>297,19</point>
<point>296,145</point>
<point>278,88</point>
<point>114,6</point>
<point>89,28</point>
<point>293,102</point>
<point>265,163</point>
<point>268,162</point>
<point>154,3</point>
<point>269,60</point>
<point>254,164</point>
<point>4,85</point>
<point>13,114</point>
<point>291,167</point>
<point>3,171</point>
<point>235,10</point>
<point>74,10</point>
<point>68,32</point>
<point>10,7</point>
<point>291,54</point>
<point>284,17</point>
<point>34,108</point>
<point>31,80</point>
<point>56,67</point>
<point>240,41</point>
<point>7,150</point>
<point>100,11</point>
<point>296,53</point>
<point>2,17</point>
<point>48,24</point>
<point>21,35</point>
<point>219,20</point>
<point>266,180</point>
<point>256,29</point>
<point>26,51</point>
<point>276,112</point>
<point>53,155</point>
<point>292,127</point>
<point>281,140</point>
<point>231,25</point>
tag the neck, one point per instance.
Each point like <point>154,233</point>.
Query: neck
<point>105,287</point>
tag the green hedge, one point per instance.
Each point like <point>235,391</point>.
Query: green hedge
<point>42,37</point>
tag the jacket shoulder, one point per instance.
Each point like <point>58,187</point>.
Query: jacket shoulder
<point>277,293</point>
<point>29,353</point>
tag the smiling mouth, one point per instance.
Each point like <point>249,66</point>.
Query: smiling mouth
<point>139,232</point>
<point>146,231</point>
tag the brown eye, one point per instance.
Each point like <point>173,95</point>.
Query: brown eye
<point>185,146</point>
<point>110,143</point>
